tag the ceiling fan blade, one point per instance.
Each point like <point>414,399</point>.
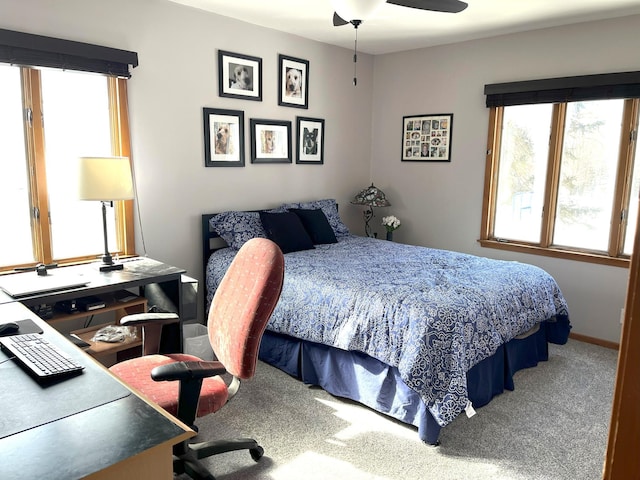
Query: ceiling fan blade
<point>338,21</point>
<point>449,6</point>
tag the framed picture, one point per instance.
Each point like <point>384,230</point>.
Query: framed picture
<point>427,138</point>
<point>223,137</point>
<point>239,76</point>
<point>270,141</point>
<point>310,140</point>
<point>293,82</point>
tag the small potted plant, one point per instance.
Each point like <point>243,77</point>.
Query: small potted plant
<point>391,223</point>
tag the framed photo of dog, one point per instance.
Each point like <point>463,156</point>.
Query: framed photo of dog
<point>270,141</point>
<point>223,137</point>
<point>427,138</point>
<point>293,82</point>
<point>310,140</point>
<point>239,76</point>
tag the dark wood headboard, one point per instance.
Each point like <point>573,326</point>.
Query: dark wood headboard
<point>211,242</point>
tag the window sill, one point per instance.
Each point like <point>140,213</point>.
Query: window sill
<point>556,253</point>
<point>9,269</point>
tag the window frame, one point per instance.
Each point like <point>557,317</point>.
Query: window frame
<point>33,126</point>
<point>619,214</point>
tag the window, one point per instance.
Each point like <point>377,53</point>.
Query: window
<point>48,118</point>
<point>14,182</point>
<point>562,179</point>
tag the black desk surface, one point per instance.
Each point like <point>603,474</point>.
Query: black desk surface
<point>28,404</point>
<point>73,428</point>
<point>137,272</point>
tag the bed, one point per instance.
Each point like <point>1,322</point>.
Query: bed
<point>419,334</point>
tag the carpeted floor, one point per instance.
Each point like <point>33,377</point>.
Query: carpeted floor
<point>553,426</point>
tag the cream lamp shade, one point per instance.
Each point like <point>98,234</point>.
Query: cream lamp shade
<point>104,179</point>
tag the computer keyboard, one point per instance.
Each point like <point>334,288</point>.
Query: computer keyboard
<point>43,359</point>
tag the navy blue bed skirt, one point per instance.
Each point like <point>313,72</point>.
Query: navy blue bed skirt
<point>361,378</point>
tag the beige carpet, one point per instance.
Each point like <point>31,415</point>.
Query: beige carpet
<point>553,426</point>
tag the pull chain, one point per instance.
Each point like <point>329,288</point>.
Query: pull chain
<point>355,23</point>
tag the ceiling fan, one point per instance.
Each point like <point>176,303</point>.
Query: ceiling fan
<point>356,11</point>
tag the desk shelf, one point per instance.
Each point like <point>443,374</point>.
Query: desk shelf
<point>141,276</point>
<point>97,349</point>
<point>121,309</point>
<point>136,305</point>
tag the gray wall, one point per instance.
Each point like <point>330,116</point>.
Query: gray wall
<point>439,204</point>
<point>177,49</point>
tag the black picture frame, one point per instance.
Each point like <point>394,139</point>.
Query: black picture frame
<point>293,82</point>
<point>427,138</point>
<point>223,137</point>
<point>310,140</point>
<point>270,141</point>
<point>239,76</point>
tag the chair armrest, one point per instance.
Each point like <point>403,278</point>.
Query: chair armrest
<point>145,318</point>
<point>187,371</point>
<point>190,375</point>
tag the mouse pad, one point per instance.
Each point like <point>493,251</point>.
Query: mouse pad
<point>27,404</point>
<point>26,326</point>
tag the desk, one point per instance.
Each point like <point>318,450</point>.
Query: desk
<point>126,438</point>
<point>138,272</point>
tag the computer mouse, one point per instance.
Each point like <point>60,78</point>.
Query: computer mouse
<point>9,327</point>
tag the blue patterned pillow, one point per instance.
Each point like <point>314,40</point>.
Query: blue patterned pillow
<point>330,209</point>
<point>236,228</point>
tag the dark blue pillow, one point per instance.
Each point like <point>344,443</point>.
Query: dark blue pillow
<point>286,230</point>
<point>330,209</point>
<point>316,224</point>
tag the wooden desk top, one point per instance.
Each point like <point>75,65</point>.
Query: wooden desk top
<point>89,438</point>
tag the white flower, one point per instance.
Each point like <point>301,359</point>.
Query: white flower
<point>391,223</point>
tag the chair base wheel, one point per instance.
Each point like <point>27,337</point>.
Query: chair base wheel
<point>256,453</point>
<point>186,455</point>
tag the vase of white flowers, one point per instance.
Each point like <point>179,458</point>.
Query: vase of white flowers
<point>391,223</point>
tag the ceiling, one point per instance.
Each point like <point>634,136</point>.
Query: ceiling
<point>394,28</point>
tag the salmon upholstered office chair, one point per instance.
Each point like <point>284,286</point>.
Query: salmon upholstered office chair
<point>240,310</point>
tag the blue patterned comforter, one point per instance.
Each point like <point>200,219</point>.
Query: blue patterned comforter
<point>433,314</point>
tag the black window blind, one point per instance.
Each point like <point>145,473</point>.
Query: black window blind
<point>27,49</point>
<point>565,89</point>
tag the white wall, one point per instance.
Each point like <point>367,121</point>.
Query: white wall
<point>441,203</point>
<point>177,50</point>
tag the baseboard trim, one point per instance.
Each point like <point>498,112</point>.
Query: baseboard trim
<point>595,341</point>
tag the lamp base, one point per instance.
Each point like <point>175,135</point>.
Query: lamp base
<point>107,265</point>
<point>109,268</point>
<point>368,215</point>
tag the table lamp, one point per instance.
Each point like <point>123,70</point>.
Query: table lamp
<point>370,197</point>
<point>105,179</point>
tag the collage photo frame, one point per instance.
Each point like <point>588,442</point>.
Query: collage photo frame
<point>427,138</point>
